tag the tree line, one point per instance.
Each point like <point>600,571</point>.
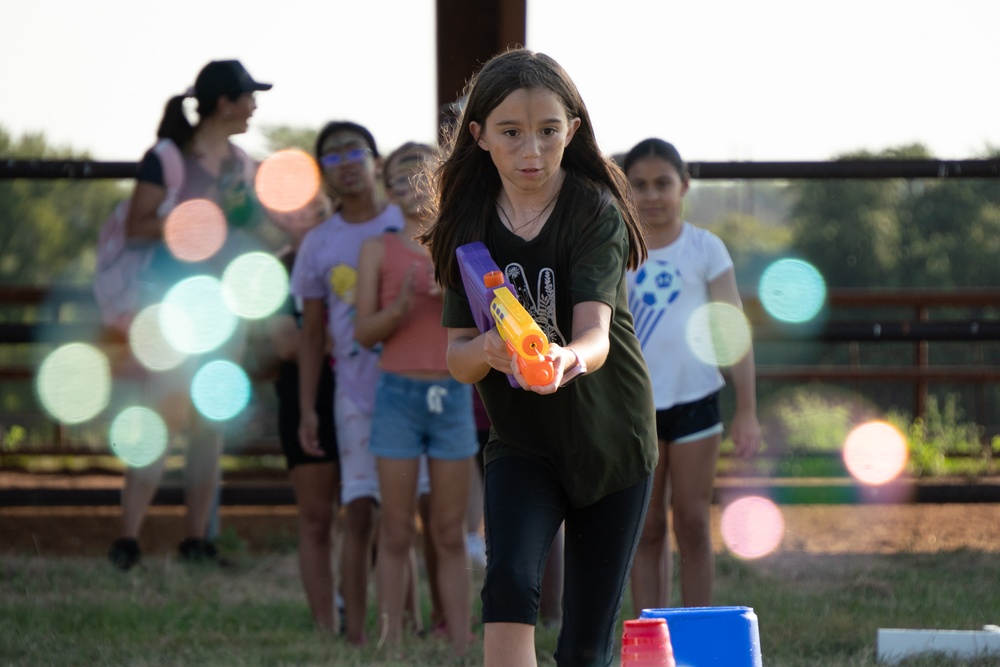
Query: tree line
<point>859,233</point>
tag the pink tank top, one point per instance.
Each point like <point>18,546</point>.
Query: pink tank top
<point>419,342</point>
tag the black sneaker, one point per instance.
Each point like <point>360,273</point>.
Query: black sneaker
<point>197,550</point>
<point>124,553</point>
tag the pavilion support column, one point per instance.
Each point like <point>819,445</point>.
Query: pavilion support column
<point>469,32</point>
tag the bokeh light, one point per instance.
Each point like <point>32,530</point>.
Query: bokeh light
<point>74,383</point>
<point>287,180</point>
<point>220,390</point>
<point>195,230</point>
<point>792,290</point>
<point>148,342</point>
<point>138,436</point>
<point>752,527</point>
<point>255,285</point>
<point>195,318</point>
<point>875,453</point>
<point>718,333</point>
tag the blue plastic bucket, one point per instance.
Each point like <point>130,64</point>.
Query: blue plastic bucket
<point>711,636</point>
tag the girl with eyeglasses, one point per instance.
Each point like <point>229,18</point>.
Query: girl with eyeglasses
<point>325,277</point>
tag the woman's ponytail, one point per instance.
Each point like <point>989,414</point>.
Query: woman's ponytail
<point>174,125</point>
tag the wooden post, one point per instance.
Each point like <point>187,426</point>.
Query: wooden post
<point>922,363</point>
<point>468,34</point>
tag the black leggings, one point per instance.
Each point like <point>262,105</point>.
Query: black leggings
<point>524,505</point>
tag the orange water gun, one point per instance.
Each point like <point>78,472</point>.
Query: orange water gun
<point>494,305</point>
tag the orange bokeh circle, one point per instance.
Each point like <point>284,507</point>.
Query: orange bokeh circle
<point>287,180</point>
<point>195,230</point>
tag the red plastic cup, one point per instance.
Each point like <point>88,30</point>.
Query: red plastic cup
<point>646,643</point>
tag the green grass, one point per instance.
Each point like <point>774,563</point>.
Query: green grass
<point>812,610</point>
<point>826,610</point>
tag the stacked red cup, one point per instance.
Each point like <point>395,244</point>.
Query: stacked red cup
<point>646,643</point>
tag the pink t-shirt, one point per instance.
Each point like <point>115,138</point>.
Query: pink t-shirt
<point>419,342</point>
<point>327,268</point>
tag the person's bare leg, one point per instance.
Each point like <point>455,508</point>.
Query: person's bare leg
<point>137,494</point>
<point>474,508</point>
<point>140,483</point>
<point>692,475</point>
<point>201,477</point>
<point>430,559</point>
<point>550,603</point>
<point>509,645</point>
<point>398,484</point>
<point>449,497</point>
<point>413,614</point>
<point>316,492</point>
<point>355,563</point>
<point>474,514</point>
<point>650,579</point>
<point>667,566</point>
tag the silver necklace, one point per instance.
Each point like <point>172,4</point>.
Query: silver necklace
<point>523,225</point>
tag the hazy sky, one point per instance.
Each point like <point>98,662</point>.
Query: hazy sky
<point>722,79</point>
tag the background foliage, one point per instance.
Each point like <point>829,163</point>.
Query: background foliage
<point>48,229</point>
<point>887,233</point>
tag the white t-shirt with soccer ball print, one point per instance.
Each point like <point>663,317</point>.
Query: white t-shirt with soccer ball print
<point>664,293</point>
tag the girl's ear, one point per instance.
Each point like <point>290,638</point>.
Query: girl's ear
<point>477,133</point>
<point>574,125</point>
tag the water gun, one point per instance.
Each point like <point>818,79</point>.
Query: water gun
<point>494,305</point>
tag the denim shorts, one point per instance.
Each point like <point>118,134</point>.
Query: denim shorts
<point>414,417</point>
<point>689,421</point>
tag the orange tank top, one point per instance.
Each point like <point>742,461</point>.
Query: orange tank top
<point>419,343</point>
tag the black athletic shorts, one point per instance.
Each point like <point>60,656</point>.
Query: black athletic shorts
<point>689,421</point>
<point>287,389</point>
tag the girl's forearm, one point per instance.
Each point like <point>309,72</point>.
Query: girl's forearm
<point>591,347</point>
<point>311,354</point>
<point>467,359</point>
<point>591,334</point>
<point>372,329</point>
<point>745,383</point>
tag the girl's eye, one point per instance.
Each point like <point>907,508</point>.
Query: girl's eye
<point>549,131</point>
<point>510,133</point>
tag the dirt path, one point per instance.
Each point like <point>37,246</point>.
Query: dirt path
<point>809,529</point>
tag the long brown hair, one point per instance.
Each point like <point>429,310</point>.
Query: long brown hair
<point>468,182</point>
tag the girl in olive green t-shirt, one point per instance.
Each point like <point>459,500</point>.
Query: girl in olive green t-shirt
<point>524,175</point>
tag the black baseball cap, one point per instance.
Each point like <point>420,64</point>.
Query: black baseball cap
<point>225,77</point>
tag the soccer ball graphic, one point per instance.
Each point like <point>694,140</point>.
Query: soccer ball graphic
<point>657,284</point>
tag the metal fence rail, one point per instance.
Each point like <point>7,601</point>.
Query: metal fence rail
<point>838,169</point>
<point>904,316</point>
